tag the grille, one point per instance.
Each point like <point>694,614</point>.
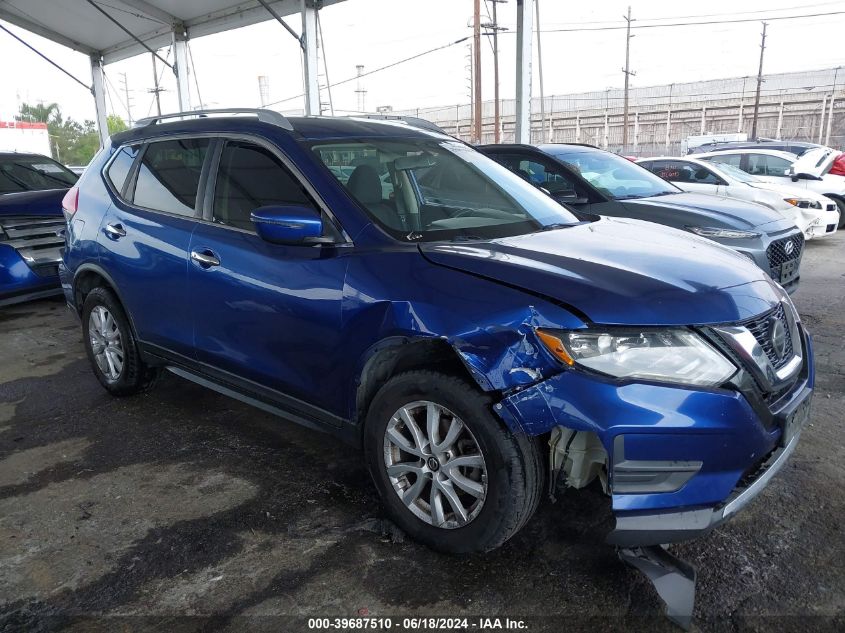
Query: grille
<point>37,240</point>
<point>777,251</point>
<point>759,327</point>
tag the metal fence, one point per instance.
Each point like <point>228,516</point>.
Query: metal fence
<point>807,106</point>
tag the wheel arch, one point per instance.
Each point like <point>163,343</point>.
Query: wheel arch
<point>90,276</point>
<point>400,354</point>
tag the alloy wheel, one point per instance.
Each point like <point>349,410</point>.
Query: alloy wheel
<point>435,465</point>
<point>106,342</point>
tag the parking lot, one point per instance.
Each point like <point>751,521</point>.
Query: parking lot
<point>183,505</point>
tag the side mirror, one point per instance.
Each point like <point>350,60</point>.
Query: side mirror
<point>287,224</point>
<point>803,176</point>
<point>565,197</point>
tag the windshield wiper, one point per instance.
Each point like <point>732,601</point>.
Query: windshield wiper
<point>662,193</point>
<point>467,238</point>
<point>554,227</point>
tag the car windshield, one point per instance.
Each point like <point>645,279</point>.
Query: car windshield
<point>431,190</point>
<point>736,173</point>
<point>33,173</point>
<point>616,177</point>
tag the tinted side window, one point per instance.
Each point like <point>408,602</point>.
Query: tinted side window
<point>730,159</point>
<point>682,171</point>
<point>169,175</point>
<point>249,177</point>
<point>120,166</point>
<point>545,175</point>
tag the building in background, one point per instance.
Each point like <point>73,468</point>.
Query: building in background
<point>24,137</point>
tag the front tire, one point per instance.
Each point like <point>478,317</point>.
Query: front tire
<point>449,472</point>
<point>111,346</point>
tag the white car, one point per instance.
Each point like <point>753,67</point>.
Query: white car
<point>809,171</point>
<point>815,214</point>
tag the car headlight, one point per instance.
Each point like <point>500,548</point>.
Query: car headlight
<point>675,355</point>
<point>731,234</point>
<point>803,203</point>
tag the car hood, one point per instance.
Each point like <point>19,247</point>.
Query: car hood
<point>621,271</point>
<point>46,202</point>
<point>785,190</point>
<point>725,212</point>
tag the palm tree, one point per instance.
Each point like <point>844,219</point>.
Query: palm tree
<point>43,113</point>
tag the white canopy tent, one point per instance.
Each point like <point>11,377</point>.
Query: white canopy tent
<point>111,30</point>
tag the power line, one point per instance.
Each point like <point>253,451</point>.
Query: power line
<point>705,22</point>
<point>381,68</point>
<point>766,13</point>
<point>698,23</point>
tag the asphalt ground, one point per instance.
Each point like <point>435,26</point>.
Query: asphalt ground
<point>184,510</point>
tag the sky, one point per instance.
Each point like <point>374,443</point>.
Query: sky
<point>375,33</point>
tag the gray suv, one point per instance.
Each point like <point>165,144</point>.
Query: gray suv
<point>592,181</point>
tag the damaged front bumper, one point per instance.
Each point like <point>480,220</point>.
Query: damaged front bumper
<point>634,529</point>
<point>680,460</point>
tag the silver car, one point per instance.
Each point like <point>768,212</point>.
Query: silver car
<point>591,180</point>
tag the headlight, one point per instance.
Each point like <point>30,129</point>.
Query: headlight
<point>675,355</point>
<point>731,234</point>
<point>803,203</point>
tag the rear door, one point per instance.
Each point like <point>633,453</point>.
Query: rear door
<point>265,315</point>
<point>145,235</point>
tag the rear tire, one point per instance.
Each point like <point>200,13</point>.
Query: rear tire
<point>494,475</point>
<point>111,346</point>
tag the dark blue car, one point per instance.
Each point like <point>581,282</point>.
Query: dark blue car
<point>31,225</point>
<point>389,284</point>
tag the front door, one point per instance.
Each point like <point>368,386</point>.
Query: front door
<point>264,313</point>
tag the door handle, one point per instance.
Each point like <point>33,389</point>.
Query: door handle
<point>114,231</point>
<point>206,259</point>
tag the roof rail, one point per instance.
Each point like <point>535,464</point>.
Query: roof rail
<point>413,121</point>
<point>264,115</point>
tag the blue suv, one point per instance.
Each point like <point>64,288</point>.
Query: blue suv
<point>387,283</point>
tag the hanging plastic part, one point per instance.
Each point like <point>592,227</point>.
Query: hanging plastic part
<point>673,579</point>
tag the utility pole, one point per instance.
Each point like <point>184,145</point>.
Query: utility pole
<point>497,115</point>
<point>128,103</point>
<point>830,114</point>
<point>476,69</point>
<point>628,72</point>
<point>759,84</point>
<point>360,91</point>
<point>540,72</point>
<point>156,90</point>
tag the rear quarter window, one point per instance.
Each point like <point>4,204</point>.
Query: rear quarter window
<point>119,168</point>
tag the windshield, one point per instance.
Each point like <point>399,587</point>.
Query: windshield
<point>33,173</point>
<point>614,176</point>
<point>736,173</point>
<point>421,190</point>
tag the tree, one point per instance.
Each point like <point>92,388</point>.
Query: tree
<point>116,124</point>
<point>72,142</point>
<point>39,113</point>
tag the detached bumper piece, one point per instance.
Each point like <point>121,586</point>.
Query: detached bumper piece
<point>673,579</point>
